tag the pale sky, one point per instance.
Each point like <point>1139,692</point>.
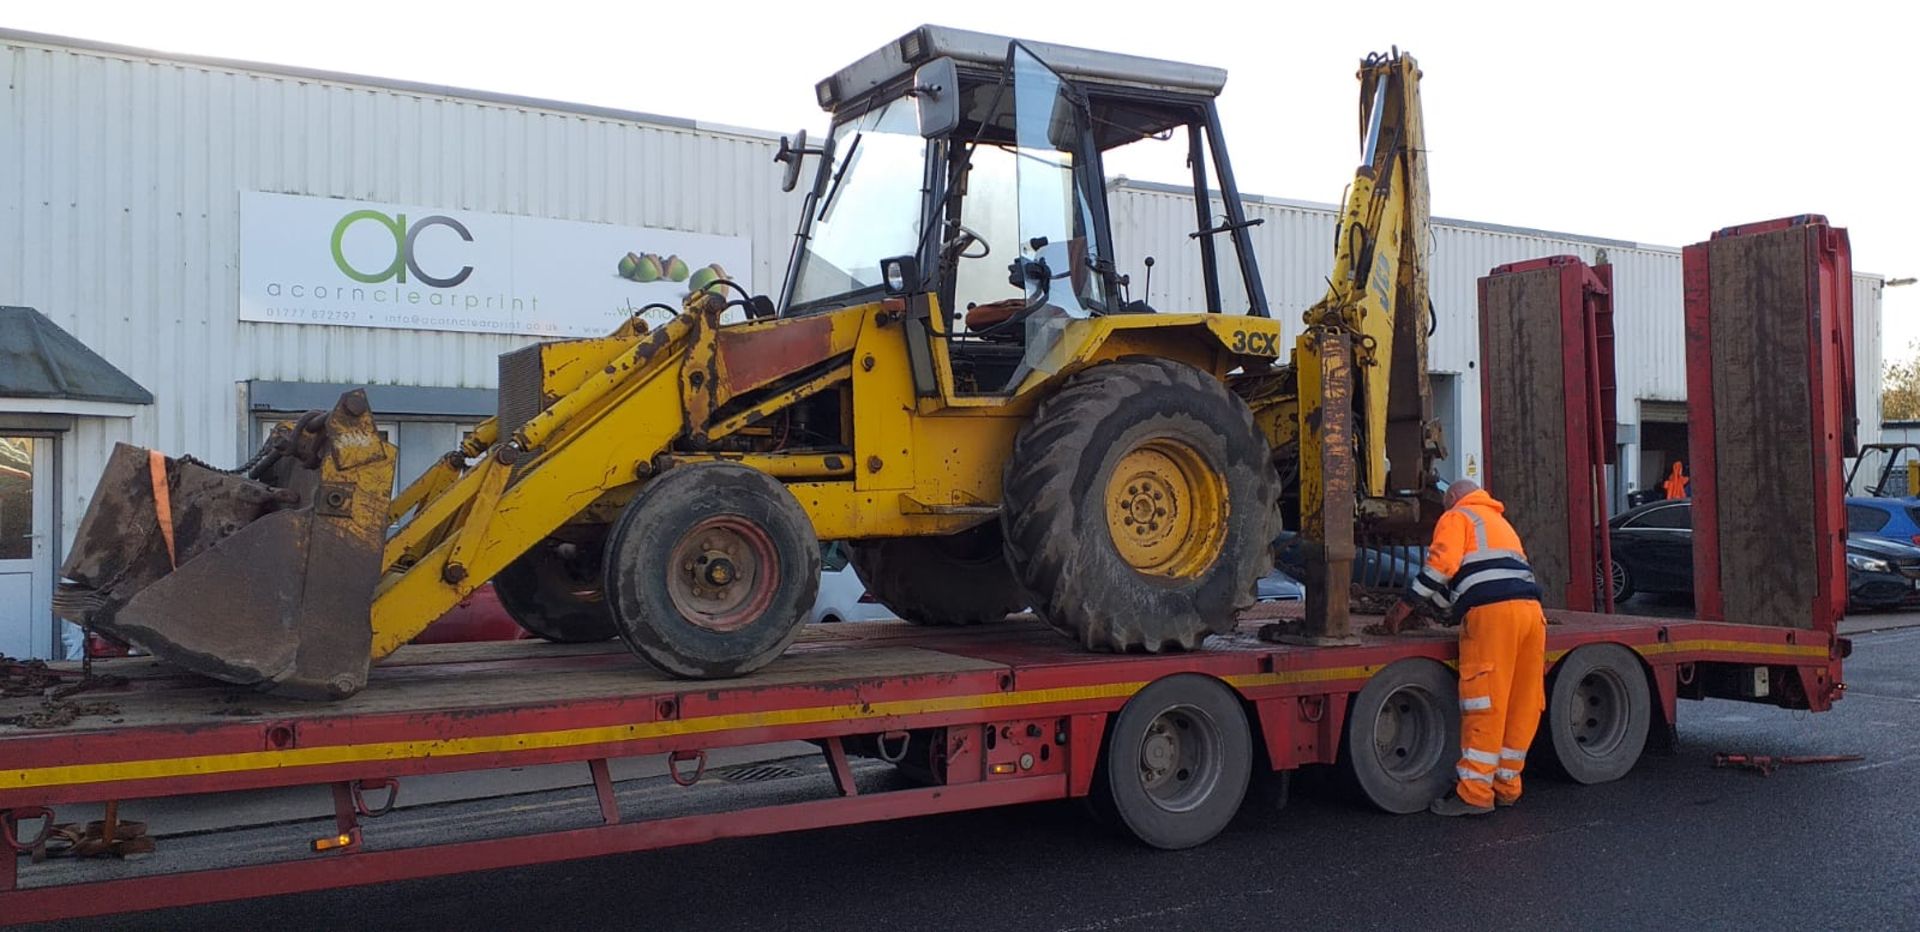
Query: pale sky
<point>1653,122</point>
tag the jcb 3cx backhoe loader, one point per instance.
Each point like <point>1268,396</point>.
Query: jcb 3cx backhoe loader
<point>1060,445</point>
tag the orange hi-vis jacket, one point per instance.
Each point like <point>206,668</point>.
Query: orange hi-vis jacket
<point>1475,559</point>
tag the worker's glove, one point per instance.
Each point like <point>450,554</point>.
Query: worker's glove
<point>1397,616</point>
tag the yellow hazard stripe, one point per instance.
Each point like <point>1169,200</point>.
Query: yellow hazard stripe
<point>173,767</point>
<point>162,768</point>
<point>1707,646</point>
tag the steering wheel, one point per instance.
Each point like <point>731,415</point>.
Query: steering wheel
<point>964,239</point>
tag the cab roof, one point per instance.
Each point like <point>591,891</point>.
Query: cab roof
<point>896,59</point>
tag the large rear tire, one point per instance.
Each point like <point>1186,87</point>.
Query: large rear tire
<point>1139,504</point>
<point>952,579</point>
<point>711,570</point>
<point>557,598</point>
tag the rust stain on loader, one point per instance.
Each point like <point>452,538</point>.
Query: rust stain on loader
<point>754,356</point>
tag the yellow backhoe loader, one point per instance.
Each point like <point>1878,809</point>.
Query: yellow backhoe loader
<point>1059,444</point>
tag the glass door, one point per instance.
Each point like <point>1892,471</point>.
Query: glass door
<point>26,546</point>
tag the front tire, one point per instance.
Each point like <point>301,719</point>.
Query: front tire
<point>1139,503</point>
<point>1620,581</point>
<point>712,570</point>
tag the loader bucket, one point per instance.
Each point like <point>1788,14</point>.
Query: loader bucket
<point>263,576</point>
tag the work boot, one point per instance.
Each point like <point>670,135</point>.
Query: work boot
<point>1501,802</point>
<point>1452,805</point>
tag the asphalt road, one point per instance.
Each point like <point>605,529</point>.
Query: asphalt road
<point>1676,843</point>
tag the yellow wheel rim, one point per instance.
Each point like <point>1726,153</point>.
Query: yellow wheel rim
<point>1167,510</point>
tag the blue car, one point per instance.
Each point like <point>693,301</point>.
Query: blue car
<point>1895,519</point>
<point>1386,567</point>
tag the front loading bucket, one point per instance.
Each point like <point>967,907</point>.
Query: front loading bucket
<point>263,576</point>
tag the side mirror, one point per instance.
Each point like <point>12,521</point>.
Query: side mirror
<point>936,93</point>
<point>792,152</point>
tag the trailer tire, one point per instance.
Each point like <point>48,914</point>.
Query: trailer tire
<point>1598,711</point>
<point>1139,504</point>
<point>939,581</point>
<point>1403,735</point>
<point>711,570</point>
<point>1176,762</point>
<point>556,599</point>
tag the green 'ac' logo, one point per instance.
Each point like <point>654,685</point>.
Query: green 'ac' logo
<point>404,238</point>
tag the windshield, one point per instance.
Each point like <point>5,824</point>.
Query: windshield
<point>871,210</point>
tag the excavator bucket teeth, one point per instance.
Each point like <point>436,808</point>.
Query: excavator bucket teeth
<point>263,576</point>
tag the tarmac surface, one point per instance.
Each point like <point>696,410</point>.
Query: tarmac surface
<point>1675,843</point>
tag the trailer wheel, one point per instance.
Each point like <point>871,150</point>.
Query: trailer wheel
<point>1598,712</point>
<point>950,579</point>
<point>1139,505</point>
<point>711,570</point>
<point>1403,735</point>
<point>1176,762</point>
<point>557,599</point>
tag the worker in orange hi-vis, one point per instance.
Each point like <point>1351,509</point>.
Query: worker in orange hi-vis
<point>1676,484</point>
<point>1477,573</point>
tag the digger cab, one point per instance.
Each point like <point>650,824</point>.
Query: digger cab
<point>974,168</point>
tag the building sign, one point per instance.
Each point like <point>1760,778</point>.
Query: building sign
<point>317,260</point>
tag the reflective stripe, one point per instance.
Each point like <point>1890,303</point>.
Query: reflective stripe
<point>1481,556</point>
<point>1478,756</point>
<point>1423,590</point>
<point>1466,774</point>
<point>1476,704</point>
<point>1511,754</point>
<point>1505,774</point>
<point>1489,576</point>
<point>1479,529</point>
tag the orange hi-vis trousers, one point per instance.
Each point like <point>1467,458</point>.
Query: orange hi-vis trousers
<point>1503,658</point>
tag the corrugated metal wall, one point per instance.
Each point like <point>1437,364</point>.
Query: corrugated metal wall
<point>1294,247</point>
<point>120,178</point>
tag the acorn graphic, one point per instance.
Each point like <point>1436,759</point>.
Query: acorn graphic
<point>704,276</point>
<point>674,268</point>
<point>628,264</point>
<point>647,269</point>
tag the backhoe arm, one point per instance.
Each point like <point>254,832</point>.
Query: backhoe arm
<point>1366,441</point>
<point>1378,289</point>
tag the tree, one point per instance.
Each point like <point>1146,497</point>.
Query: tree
<point>1900,387</point>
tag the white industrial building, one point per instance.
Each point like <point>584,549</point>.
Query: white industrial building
<point>145,208</point>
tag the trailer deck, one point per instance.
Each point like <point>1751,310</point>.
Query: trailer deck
<point>992,715</point>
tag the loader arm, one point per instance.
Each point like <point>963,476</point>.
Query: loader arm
<point>615,408</point>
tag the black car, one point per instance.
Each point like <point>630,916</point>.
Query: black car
<point>1653,552</point>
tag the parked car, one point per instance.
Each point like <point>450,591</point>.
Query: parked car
<point>1277,586</point>
<point>1892,518</point>
<point>843,597</point>
<point>1653,552</point>
<point>478,617</point>
<point>1882,573</point>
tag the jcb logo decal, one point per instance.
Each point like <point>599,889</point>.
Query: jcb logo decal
<point>1256,344</point>
<point>404,238</point>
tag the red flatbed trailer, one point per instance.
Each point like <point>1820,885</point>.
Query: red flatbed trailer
<point>996,715</point>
